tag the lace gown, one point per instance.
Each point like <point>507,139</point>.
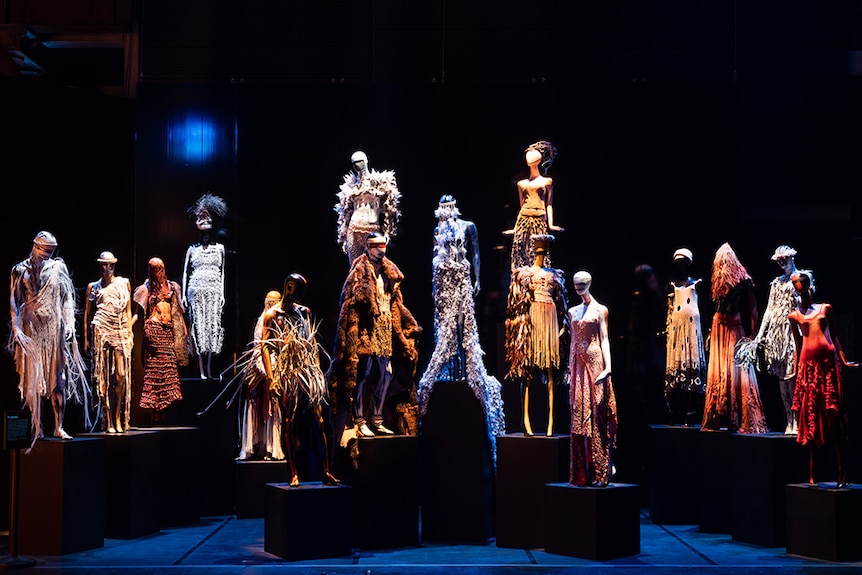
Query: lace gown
<point>593,404</point>
<point>685,366</point>
<point>205,295</point>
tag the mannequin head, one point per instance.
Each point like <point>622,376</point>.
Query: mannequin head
<point>359,162</point>
<point>375,246</point>
<point>107,261</point>
<point>447,208</point>
<point>44,245</point>
<point>294,288</point>
<point>802,283</point>
<point>272,298</point>
<point>156,273</point>
<point>784,257</point>
<point>207,206</point>
<point>581,281</point>
<point>542,152</point>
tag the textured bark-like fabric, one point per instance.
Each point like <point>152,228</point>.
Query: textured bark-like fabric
<point>355,337</point>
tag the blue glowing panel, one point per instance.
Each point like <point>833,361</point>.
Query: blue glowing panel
<point>193,139</point>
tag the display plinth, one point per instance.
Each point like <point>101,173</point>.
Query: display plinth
<point>61,497</point>
<point>715,481</point>
<point>596,523</point>
<point>823,523</point>
<point>131,475</point>
<point>251,478</point>
<point>179,483</point>
<point>386,492</point>
<point>524,465</point>
<point>763,464</point>
<point>673,483</point>
<point>311,521</point>
<point>457,467</point>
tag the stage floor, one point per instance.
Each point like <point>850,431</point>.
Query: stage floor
<point>227,545</point>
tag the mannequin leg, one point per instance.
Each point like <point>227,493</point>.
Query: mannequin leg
<point>58,402</point>
<point>550,431</point>
<point>811,465</point>
<point>328,478</point>
<point>288,449</point>
<point>381,391</point>
<point>528,429</point>
<point>786,387</point>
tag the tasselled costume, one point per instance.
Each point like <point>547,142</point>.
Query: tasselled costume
<point>537,324</point>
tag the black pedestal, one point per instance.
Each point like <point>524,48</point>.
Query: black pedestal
<point>311,521</point>
<point>457,467</point>
<point>595,523</point>
<point>386,492</point>
<point>61,498</point>
<point>131,475</point>
<point>179,484</point>
<point>251,478</point>
<point>674,485</point>
<point>524,466</point>
<point>715,481</point>
<point>823,523</point>
<point>762,465</point>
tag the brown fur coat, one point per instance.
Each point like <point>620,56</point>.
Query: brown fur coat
<point>353,339</point>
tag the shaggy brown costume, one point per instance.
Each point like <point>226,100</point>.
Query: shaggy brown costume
<point>353,339</point>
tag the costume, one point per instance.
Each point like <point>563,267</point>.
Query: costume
<point>457,351</point>
<point>685,366</point>
<point>205,296</point>
<point>536,310</point>
<point>365,333</point>
<point>818,400</point>
<point>261,413</point>
<point>731,389</point>
<point>165,346</point>
<point>42,339</point>
<point>532,220</point>
<point>593,403</point>
<point>112,341</point>
<point>367,202</point>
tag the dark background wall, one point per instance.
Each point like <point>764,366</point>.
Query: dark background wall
<point>677,125</point>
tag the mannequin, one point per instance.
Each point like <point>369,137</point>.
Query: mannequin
<point>261,428</point>
<point>818,400</point>
<point>203,284</point>
<point>165,339</point>
<point>291,359</point>
<point>367,202</point>
<point>457,353</point>
<point>732,393</point>
<point>592,400</point>
<point>47,358</point>
<point>537,327</point>
<point>535,200</point>
<point>685,368</point>
<point>376,353</point>
<point>108,337</point>
<point>776,336</point>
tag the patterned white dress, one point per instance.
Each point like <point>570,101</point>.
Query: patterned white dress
<point>205,296</point>
<point>685,369</point>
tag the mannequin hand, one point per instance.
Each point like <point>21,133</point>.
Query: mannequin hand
<point>185,303</point>
<point>851,364</point>
<point>508,232</point>
<point>476,288</point>
<point>69,334</point>
<point>556,229</point>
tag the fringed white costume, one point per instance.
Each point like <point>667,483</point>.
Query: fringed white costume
<point>42,340</point>
<point>112,342</point>
<point>457,352</point>
<point>367,202</point>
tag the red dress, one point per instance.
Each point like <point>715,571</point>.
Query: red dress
<point>817,399</point>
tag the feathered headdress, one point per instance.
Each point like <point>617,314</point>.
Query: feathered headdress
<point>209,203</point>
